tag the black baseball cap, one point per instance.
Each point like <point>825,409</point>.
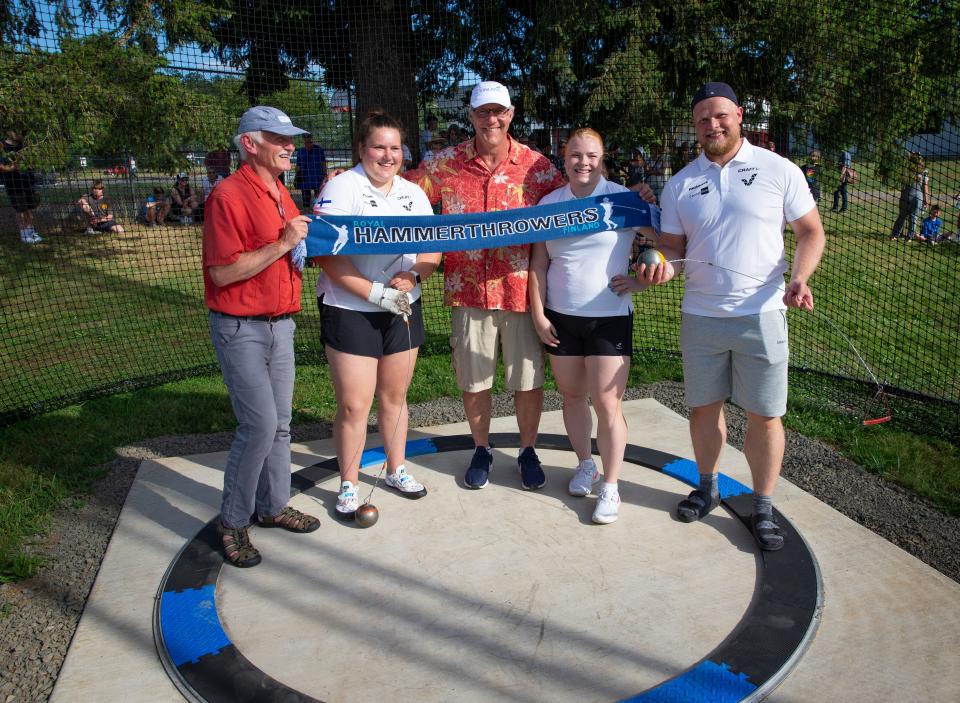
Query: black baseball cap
<point>714,90</point>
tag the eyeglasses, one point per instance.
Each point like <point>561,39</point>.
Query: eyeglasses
<point>485,112</point>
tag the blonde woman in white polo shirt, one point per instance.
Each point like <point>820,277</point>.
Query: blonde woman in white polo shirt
<point>369,347</point>
<point>582,311</point>
<point>725,212</point>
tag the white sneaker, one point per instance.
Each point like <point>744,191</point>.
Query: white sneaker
<point>30,237</point>
<point>608,506</point>
<point>90,230</point>
<point>348,501</point>
<point>405,483</point>
<point>582,482</point>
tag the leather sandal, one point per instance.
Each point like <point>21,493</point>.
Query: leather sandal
<point>237,549</point>
<point>697,505</point>
<point>291,520</point>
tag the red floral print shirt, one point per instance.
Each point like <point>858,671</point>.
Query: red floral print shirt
<point>489,279</point>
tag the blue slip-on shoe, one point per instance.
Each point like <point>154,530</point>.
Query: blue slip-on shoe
<point>479,470</point>
<point>531,473</point>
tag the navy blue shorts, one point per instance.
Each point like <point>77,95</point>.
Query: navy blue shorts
<point>591,336</point>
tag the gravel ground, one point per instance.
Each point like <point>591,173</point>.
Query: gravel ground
<point>38,617</point>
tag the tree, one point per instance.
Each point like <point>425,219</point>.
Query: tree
<point>95,96</point>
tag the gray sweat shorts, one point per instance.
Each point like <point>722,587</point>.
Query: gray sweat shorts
<point>741,358</point>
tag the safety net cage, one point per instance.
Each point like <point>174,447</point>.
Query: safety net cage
<point>102,288</point>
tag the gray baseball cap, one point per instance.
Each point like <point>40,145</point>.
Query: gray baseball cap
<point>267,119</point>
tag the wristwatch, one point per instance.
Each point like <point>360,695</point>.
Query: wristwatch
<point>416,276</point>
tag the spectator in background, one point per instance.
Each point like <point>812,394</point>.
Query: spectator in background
<point>20,185</point>
<point>152,206</point>
<point>914,196</point>
<point>930,231</point>
<point>811,171</point>
<point>771,146</point>
<point>637,168</point>
<point>219,161</point>
<point>847,176</point>
<point>212,181</point>
<point>558,159</point>
<point>429,132</point>
<point>311,170</point>
<point>99,211</point>
<point>181,202</point>
<point>658,169</point>
<point>956,204</point>
<point>453,134</point>
<point>434,147</point>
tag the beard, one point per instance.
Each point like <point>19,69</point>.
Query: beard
<point>725,145</point>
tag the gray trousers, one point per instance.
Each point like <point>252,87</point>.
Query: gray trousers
<point>257,363</point>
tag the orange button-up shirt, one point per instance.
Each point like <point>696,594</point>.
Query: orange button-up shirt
<point>489,279</point>
<point>242,215</point>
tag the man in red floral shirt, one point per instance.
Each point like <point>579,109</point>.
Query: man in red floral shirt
<point>487,288</point>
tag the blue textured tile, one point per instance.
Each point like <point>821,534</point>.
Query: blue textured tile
<point>707,682</point>
<point>415,447</point>
<point>190,624</point>
<point>686,471</point>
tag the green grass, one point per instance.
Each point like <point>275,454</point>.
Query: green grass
<point>54,457</point>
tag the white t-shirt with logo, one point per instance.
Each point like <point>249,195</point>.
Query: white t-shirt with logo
<point>733,216</point>
<point>580,268</point>
<point>351,193</point>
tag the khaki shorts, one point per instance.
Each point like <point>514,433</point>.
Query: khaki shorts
<point>474,336</point>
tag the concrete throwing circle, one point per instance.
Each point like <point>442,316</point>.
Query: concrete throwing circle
<point>747,665</point>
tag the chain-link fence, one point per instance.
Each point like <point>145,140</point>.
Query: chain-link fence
<point>862,95</point>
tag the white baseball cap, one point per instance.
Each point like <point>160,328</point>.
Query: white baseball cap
<point>487,92</point>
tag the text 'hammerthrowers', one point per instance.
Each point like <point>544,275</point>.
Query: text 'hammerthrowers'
<point>578,220</point>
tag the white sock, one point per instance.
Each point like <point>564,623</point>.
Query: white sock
<point>611,487</point>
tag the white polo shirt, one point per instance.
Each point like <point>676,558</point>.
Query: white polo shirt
<point>578,277</point>
<point>351,193</point>
<point>734,216</point>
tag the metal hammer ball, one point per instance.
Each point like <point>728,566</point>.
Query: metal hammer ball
<point>650,257</point>
<point>367,515</point>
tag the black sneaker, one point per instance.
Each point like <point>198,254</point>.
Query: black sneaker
<point>531,474</point>
<point>480,465</point>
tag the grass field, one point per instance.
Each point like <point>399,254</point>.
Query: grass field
<point>91,313</point>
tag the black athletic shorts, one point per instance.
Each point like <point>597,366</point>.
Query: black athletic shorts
<point>591,336</point>
<point>375,334</point>
<point>21,191</point>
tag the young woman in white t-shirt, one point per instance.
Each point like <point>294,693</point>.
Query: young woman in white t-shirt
<point>580,301</point>
<point>370,348</point>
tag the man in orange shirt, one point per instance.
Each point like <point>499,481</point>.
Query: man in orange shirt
<point>487,288</point>
<point>252,288</point>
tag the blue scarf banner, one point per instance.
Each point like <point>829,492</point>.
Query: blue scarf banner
<point>372,234</point>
